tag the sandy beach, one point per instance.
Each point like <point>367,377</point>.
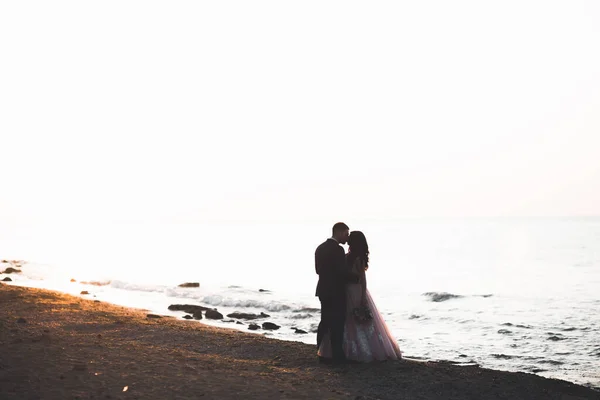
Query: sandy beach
<point>57,346</point>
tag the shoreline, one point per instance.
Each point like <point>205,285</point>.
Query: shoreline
<point>58,346</point>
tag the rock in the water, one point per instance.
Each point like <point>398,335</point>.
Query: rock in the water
<point>189,284</point>
<point>21,321</point>
<point>239,323</point>
<point>73,280</point>
<point>228,320</point>
<point>188,308</point>
<point>197,315</point>
<point>270,326</point>
<point>253,327</point>
<point>264,291</point>
<point>213,314</point>
<point>11,270</point>
<point>153,316</point>
<point>7,279</point>
<point>247,316</point>
<point>300,331</point>
<point>84,292</point>
<point>188,316</point>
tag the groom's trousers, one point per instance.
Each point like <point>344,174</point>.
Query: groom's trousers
<point>333,319</point>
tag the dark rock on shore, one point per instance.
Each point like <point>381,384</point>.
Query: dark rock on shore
<point>153,316</point>
<point>189,285</point>
<point>11,270</point>
<point>7,279</point>
<point>188,308</point>
<point>253,327</point>
<point>197,315</point>
<point>270,326</point>
<point>213,314</point>
<point>187,316</point>
<point>247,316</point>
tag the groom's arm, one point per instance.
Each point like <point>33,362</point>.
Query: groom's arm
<point>321,257</point>
<point>344,271</point>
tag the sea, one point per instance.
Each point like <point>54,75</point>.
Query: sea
<point>514,294</point>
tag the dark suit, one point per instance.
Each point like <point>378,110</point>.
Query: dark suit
<point>330,265</point>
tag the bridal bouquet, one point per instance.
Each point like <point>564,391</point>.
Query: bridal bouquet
<point>362,314</point>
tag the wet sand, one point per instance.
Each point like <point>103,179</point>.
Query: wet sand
<point>57,346</point>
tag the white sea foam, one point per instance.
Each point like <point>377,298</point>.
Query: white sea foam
<point>218,300</point>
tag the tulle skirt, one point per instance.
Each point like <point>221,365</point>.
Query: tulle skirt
<point>363,341</point>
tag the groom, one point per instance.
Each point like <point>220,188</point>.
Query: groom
<point>330,264</point>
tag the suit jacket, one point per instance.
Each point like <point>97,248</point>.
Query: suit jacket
<point>330,265</point>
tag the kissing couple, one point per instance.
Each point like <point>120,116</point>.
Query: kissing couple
<point>351,329</point>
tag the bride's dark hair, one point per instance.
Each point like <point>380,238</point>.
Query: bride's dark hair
<point>358,248</point>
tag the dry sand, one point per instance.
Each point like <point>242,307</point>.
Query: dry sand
<point>72,348</point>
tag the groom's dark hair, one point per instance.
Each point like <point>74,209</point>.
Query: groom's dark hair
<point>339,227</point>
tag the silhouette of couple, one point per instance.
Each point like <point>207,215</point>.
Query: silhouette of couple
<point>351,329</point>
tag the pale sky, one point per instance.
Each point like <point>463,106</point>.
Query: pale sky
<point>312,110</point>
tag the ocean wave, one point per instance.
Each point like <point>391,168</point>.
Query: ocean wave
<point>441,296</point>
<point>307,309</point>
<point>301,316</point>
<point>504,356</point>
<point>96,283</point>
<point>438,297</point>
<point>218,300</point>
<point>138,287</point>
<point>517,325</point>
<point>552,362</point>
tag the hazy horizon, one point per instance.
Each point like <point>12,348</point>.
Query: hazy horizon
<point>320,111</point>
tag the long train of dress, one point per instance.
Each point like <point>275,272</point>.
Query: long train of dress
<point>366,341</point>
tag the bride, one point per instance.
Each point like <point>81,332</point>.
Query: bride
<point>366,335</point>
